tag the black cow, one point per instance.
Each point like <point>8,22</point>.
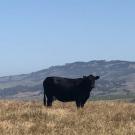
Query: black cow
<point>65,89</point>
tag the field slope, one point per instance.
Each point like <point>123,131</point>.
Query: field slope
<point>97,118</point>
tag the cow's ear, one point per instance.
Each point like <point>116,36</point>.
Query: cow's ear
<point>97,77</point>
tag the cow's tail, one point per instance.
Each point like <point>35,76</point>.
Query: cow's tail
<point>44,98</point>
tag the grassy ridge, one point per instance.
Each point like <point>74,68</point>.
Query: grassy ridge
<point>113,97</point>
<point>97,118</point>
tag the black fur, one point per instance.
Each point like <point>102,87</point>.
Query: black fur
<point>65,89</point>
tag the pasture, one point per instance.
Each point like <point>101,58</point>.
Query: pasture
<point>97,118</point>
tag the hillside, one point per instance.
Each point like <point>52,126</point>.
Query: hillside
<point>117,79</point>
<point>97,118</point>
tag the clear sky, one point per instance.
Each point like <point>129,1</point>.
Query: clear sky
<point>36,34</point>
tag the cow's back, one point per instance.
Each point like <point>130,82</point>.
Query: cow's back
<point>60,81</point>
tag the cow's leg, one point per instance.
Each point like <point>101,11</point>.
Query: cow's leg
<point>44,99</point>
<point>83,101</point>
<point>78,104</point>
<point>49,101</point>
<point>82,105</point>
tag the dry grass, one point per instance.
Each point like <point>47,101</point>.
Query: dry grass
<point>97,118</point>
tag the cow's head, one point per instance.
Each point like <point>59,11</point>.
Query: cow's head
<point>91,80</point>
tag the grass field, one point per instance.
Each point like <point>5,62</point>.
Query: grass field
<point>97,118</point>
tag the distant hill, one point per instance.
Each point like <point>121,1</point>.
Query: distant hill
<point>117,79</point>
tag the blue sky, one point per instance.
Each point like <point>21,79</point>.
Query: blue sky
<point>37,34</point>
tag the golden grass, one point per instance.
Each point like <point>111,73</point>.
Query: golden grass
<point>97,118</point>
